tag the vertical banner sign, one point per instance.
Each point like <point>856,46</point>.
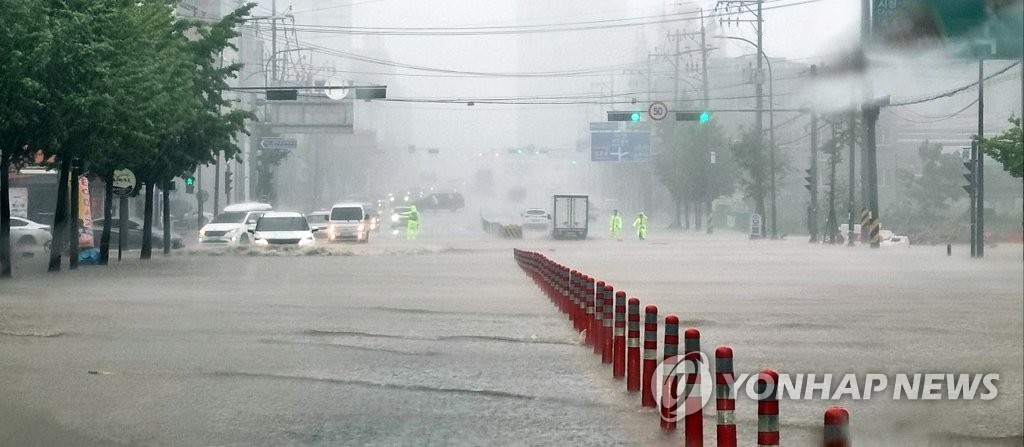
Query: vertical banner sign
<point>85,239</point>
<point>755,225</point>
<point>19,202</point>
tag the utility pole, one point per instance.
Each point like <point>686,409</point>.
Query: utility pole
<point>979,165</point>
<point>273,41</point>
<point>812,209</point>
<point>698,217</point>
<point>758,22</point>
<point>853,172</point>
<point>870,111</point>
<point>704,61</point>
<point>675,106</point>
<point>759,85</point>
<point>675,77</point>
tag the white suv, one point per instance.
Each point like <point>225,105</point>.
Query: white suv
<point>536,218</point>
<point>232,226</point>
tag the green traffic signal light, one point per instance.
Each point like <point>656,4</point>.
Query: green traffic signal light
<point>705,117</point>
<point>634,117</point>
<point>190,180</point>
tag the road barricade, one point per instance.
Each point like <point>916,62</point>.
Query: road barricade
<point>611,324</point>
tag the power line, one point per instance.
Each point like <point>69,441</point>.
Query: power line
<point>526,29</point>
<point>931,119</point>
<point>952,92</point>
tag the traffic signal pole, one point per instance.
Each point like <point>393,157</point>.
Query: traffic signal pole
<point>979,165</point>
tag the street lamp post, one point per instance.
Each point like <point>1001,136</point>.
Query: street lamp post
<point>771,123</point>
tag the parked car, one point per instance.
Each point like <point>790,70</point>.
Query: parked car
<point>348,221</point>
<point>536,218</point>
<point>29,235</point>
<point>283,228</point>
<point>135,233</point>
<point>233,225</point>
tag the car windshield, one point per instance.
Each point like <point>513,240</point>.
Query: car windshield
<point>282,224</point>
<point>346,213</point>
<point>536,212</point>
<point>230,217</point>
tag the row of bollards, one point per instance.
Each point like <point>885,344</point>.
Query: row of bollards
<point>611,324</point>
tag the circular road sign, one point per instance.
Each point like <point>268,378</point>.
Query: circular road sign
<point>657,111</point>
<point>124,182</point>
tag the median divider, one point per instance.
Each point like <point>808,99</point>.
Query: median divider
<point>611,324</point>
<point>504,231</point>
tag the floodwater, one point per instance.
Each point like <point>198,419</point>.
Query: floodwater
<point>444,341</point>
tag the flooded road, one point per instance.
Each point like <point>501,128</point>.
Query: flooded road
<point>444,341</point>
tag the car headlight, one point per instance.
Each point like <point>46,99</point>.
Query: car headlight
<point>394,218</point>
<point>202,233</point>
<point>361,227</point>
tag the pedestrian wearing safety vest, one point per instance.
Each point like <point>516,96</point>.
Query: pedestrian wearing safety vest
<point>412,224</point>
<point>641,225</point>
<point>616,224</point>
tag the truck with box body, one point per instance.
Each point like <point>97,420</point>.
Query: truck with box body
<point>569,216</point>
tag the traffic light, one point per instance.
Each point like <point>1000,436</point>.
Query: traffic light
<point>632,116</point>
<point>810,179</point>
<point>971,178</point>
<point>190,184</point>
<point>701,117</point>
<point>227,181</point>
<point>282,95</point>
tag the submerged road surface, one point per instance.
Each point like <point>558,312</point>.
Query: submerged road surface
<point>444,341</point>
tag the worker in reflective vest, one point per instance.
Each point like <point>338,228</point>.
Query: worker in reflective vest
<point>641,225</point>
<point>412,225</point>
<point>616,224</point>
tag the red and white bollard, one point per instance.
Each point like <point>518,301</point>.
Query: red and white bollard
<point>588,308</point>
<point>767,408</point>
<point>668,377</point>
<point>725,405</point>
<point>619,340</point>
<point>650,363</point>
<point>606,324</point>
<point>694,419</point>
<point>837,427</point>
<point>633,345</point>
<point>597,322</point>
<point>570,296</point>
<point>580,311</point>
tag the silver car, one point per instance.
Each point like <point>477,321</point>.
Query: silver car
<point>27,235</point>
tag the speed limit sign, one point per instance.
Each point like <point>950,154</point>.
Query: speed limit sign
<point>657,111</point>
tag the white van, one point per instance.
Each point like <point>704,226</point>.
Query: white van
<point>348,221</point>
<point>233,224</point>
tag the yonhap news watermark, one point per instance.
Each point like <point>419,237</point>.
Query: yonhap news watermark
<point>681,379</point>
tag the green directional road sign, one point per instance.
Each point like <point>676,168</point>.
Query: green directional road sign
<point>989,29</point>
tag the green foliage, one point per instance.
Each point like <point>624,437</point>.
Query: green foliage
<point>114,83</point>
<point>208,125</point>
<point>753,159</point>
<point>1007,148</point>
<point>24,39</point>
<point>931,195</point>
<point>685,166</point>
